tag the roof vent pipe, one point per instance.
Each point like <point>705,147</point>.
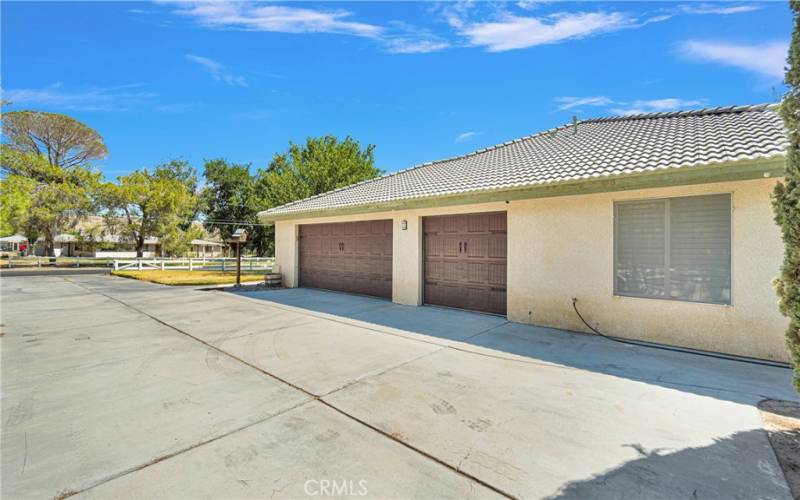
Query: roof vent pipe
<point>574,124</point>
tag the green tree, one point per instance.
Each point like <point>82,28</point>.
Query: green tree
<point>48,203</point>
<point>320,165</point>
<point>229,197</point>
<point>180,170</point>
<point>64,141</point>
<point>786,203</point>
<point>149,204</point>
<point>177,242</point>
<point>15,201</point>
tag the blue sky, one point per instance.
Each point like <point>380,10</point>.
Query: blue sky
<point>421,81</point>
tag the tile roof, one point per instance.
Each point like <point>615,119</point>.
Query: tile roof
<point>594,148</point>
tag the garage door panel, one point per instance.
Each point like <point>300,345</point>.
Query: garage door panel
<point>352,257</point>
<point>478,223</point>
<point>498,222</point>
<point>376,246</point>
<point>433,271</point>
<point>434,247</point>
<point>386,271</point>
<point>497,301</point>
<point>477,247</point>
<point>349,265</point>
<point>497,246</point>
<point>477,299</point>
<point>455,224</point>
<point>454,270</point>
<point>465,261</point>
<point>362,246</point>
<point>476,272</point>
<point>496,275</point>
<point>432,225</point>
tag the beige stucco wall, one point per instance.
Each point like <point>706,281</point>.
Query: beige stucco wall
<point>562,247</point>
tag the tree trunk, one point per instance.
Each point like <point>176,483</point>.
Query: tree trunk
<point>49,243</point>
<point>140,246</point>
<point>49,247</point>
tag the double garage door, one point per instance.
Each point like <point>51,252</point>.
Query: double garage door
<point>353,257</point>
<point>464,259</point>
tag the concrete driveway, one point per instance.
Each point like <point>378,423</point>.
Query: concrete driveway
<point>114,388</point>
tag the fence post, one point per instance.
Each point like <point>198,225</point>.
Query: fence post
<point>139,262</point>
<point>191,264</point>
<point>116,265</point>
<point>162,264</point>
<point>10,258</point>
<point>223,264</point>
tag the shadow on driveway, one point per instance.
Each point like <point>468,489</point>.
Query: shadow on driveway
<point>689,469</point>
<point>729,380</point>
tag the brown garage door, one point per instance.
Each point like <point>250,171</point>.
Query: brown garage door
<point>353,257</point>
<point>465,261</point>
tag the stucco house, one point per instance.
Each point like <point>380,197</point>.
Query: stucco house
<point>659,224</point>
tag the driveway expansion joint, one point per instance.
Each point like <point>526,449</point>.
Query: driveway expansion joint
<point>168,456</point>
<point>311,395</point>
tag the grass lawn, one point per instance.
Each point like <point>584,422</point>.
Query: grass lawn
<point>190,277</point>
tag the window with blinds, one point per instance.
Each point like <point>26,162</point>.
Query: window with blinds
<point>674,248</point>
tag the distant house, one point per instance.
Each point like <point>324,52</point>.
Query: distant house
<point>92,237</point>
<point>659,224</point>
<point>15,244</point>
<point>208,248</point>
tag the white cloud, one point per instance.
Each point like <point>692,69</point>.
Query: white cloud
<point>410,45</point>
<point>518,32</point>
<point>628,107</point>
<point>404,38</point>
<point>54,97</point>
<point>639,107</point>
<point>721,9</point>
<point>466,136</point>
<point>530,4</point>
<point>766,59</point>
<point>275,18</point>
<point>565,103</point>
<point>398,37</point>
<point>217,70</point>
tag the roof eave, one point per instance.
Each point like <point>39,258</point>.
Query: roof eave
<point>773,166</point>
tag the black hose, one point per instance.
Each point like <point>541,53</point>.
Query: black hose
<point>685,350</point>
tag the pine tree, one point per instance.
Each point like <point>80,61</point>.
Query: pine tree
<point>786,202</point>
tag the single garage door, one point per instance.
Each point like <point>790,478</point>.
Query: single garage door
<point>353,257</point>
<point>465,261</point>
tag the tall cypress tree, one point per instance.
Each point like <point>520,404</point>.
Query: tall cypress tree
<point>786,202</point>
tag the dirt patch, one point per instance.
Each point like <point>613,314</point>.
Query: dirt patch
<point>782,422</point>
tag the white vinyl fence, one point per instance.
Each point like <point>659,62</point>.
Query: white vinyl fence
<point>196,264</point>
<point>33,261</point>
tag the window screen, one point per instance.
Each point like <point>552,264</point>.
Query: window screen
<point>675,248</point>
